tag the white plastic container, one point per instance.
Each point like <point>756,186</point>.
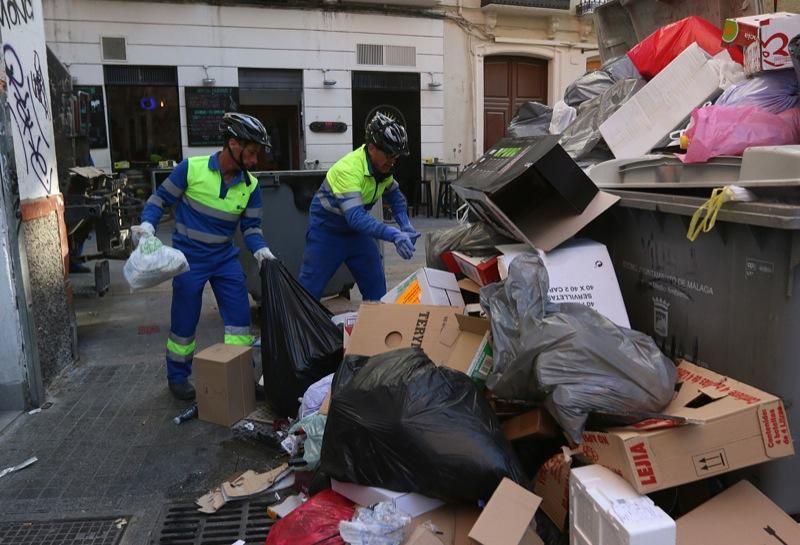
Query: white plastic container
<point>605,510</point>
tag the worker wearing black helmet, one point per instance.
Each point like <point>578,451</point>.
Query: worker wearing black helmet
<point>341,230</point>
<point>213,195</point>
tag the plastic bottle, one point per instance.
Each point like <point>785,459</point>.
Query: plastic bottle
<point>188,414</point>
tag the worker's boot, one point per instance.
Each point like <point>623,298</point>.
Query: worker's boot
<point>182,390</point>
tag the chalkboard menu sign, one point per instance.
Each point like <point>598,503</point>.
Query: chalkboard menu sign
<point>96,115</point>
<point>204,109</point>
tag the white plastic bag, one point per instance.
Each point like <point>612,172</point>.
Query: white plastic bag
<point>383,525</point>
<point>314,396</point>
<point>563,116</point>
<point>152,263</point>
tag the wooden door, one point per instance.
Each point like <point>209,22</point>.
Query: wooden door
<point>509,82</point>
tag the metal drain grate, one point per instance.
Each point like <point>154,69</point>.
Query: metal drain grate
<point>182,524</point>
<point>101,531</point>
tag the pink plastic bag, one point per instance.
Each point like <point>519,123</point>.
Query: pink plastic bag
<point>729,130</point>
<point>316,522</point>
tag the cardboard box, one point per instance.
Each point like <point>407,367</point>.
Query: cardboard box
<point>448,337</point>
<point>223,378</point>
<point>533,173</point>
<point>543,228</point>
<point>347,320</point>
<point>422,536</point>
<point>480,269</point>
<point>552,484</point>
<point>741,515</point>
<point>535,423</point>
<point>734,426</point>
<point>507,516</point>
<point>427,287</point>
<point>580,271</point>
<point>470,291</point>
<point>453,522</point>
<point>411,504</point>
<point>662,104</point>
<point>764,40</point>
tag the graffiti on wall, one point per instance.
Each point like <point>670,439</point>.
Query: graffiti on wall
<point>24,70</point>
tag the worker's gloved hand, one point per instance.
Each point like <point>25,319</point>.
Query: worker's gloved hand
<point>262,254</point>
<point>144,230</point>
<point>403,243</point>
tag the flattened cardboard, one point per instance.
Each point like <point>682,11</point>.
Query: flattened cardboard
<point>423,536</point>
<point>535,423</point>
<point>507,516</point>
<point>580,271</point>
<point>736,426</point>
<point>410,503</point>
<point>223,375</point>
<point>546,229</point>
<point>552,484</point>
<point>480,269</point>
<point>426,286</point>
<point>741,515</point>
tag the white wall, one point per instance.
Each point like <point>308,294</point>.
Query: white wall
<point>225,38</point>
<point>25,60</point>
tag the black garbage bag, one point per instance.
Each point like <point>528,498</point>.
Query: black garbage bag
<point>299,342</point>
<point>398,421</point>
<point>472,238</point>
<point>531,119</point>
<point>568,354</point>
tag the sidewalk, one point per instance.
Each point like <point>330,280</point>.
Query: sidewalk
<point>107,447</point>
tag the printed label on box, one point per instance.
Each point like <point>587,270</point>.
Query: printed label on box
<point>775,430</point>
<point>412,295</point>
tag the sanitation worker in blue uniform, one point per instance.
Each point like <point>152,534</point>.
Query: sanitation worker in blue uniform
<point>341,230</point>
<point>214,194</point>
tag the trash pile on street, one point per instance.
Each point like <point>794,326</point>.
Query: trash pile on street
<point>560,369</point>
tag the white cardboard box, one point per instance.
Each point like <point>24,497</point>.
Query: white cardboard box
<point>410,503</point>
<point>580,271</point>
<point>662,104</point>
<point>427,287</point>
<point>606,510</point>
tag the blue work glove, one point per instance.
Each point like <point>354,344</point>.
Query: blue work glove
<point>406,227</point>
<point>403,243</point>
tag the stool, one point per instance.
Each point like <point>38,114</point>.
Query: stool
<point>445,198</point>
<point>423,190</point>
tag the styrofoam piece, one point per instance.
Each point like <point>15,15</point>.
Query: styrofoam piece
<point>606,510</point>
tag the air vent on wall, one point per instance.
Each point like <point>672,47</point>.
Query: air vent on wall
<point>389,55</point>
<point>113,48</point>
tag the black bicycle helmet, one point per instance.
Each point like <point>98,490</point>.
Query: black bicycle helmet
<point>244,127</point>
<point>387,135</point>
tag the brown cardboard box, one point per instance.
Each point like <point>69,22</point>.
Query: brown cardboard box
<point>535,423</point>
<point>552,484</point>
<point>733,426</point>
<point>448,337</point>
<point>423,536</point>
<point>223,376</point>
<point>739,516</point>
<point>454,522</point>
<point>506,518</point>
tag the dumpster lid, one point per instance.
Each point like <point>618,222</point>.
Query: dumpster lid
<point>763,214</point>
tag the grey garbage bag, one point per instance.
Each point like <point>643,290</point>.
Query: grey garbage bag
<point>593,84</point>
<point>583,135</point>
<point>474,238</point>
<point>568,355</point>
<point>531,119</point>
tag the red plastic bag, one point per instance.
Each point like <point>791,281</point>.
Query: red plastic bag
<point>654,53</point>
<point>316,522</point>
<point>729,130</point>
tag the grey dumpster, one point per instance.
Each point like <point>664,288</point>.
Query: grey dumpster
<point>286,196</point>
<point>730,300</point>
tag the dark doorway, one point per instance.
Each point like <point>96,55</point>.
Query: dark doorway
<point>396,95</point>
<point>275,97</point>
<point>509,82</point>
